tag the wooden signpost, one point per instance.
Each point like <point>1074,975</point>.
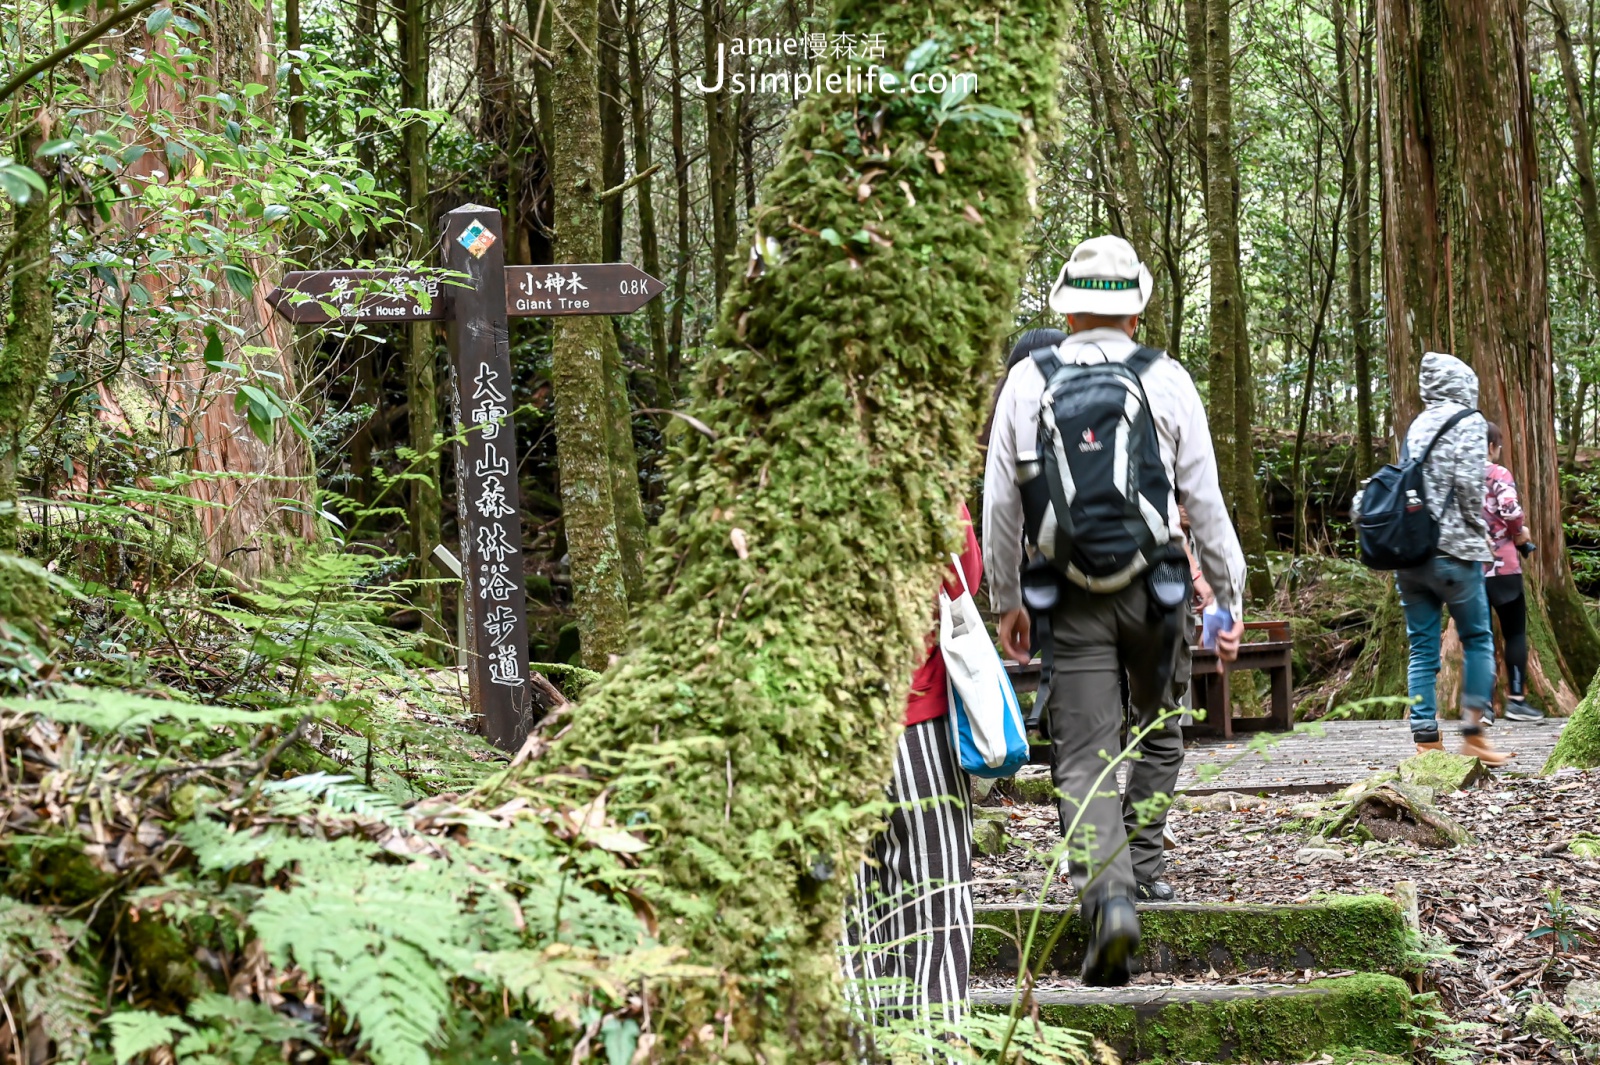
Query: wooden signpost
<point>474,300</point>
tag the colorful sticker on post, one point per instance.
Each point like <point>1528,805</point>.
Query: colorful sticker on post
<point>476,239</point>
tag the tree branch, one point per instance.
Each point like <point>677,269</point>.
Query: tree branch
<point>643,175</point>
<point>77,44</point>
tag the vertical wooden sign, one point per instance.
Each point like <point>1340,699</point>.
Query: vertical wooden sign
<point>494,593</point>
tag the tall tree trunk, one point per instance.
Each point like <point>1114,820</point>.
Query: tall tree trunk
<point>680,171</point>
<point>722,151</point>
<point>1354,126</point>
<point>623,459</point>
<point>1194,34</point>
<point>26,354</point>
<point>1232,377</point>
<point>421,353</point>
<point>1312,350</point>
<point>1457,134</point>
<point>583,355</point>
<point>1130,187</point>
<point>368,387</point>
<point>1582,137</point>
<point>649,241</point>
<point>540,23</point>
<point>1224,340</point>
<point>777,701</point>
<point>246,525</point>
<point>24,362</point>
<point>613,152</point>
<point>1576,423</point>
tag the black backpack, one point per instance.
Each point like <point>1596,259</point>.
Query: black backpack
<point>1095,503</point>
<point>1397,528</point>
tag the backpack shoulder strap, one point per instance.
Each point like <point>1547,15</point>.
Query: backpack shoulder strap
<point>1142,359</point>
<point>1455,419</point>
<point>1047,360</point>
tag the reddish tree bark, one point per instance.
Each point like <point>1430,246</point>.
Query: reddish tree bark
<point>1464,267</point>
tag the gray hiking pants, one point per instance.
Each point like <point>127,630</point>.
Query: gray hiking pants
<point>1096,639</point>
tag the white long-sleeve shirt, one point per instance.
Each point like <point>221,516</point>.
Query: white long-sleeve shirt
<point>1186,451</point>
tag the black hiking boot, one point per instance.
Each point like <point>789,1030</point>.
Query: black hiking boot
<point>1155,891</point>
<point>1114,942</point>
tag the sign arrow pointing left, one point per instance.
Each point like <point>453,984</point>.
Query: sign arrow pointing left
<point>358,295</point>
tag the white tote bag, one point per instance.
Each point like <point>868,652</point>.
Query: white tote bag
<point>985,721</point>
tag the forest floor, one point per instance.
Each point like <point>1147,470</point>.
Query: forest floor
<point>1479,905</point>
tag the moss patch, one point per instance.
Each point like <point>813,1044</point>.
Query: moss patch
<point>1442,771</point>
<point>1364,932</point>
<point>1355,1013</point>
<point>1031,785</point>
<point>1579,744</point>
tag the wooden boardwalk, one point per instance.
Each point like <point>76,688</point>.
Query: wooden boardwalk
<point>1348,752</point>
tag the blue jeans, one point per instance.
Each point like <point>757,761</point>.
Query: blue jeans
<point>1424,593</point>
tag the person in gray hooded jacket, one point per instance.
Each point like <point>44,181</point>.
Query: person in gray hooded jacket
<point>1455,475</point>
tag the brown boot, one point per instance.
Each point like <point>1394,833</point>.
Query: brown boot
<point>1436,745</point>
<point>1475,746</point>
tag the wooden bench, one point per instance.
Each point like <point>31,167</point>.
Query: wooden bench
<point>1273,656</point>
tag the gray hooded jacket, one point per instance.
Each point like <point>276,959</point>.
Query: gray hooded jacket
<point>1459,462</point>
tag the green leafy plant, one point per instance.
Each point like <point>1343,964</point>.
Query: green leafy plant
<point>1562,927</point>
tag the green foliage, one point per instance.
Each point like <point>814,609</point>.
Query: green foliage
<point>1440,1039</point>
<point>43,977</point>
<point>1562,925</point>
<point>404,922</point>
<point>134,1032</point>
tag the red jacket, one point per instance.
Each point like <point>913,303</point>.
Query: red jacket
<point>929,699</point>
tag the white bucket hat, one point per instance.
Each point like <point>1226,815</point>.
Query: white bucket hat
<point>1103,276</point>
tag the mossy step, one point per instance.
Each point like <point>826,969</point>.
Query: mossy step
<point>1361,933</point>
<point>1250,1023</point>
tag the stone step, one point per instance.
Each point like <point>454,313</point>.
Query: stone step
<point>1359,933</point>
<point>1355,1020</point>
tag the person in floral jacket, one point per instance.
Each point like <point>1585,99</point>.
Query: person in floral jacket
<point>1503,579</point>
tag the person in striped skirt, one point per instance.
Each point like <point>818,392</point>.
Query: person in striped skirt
<point>908,933</point>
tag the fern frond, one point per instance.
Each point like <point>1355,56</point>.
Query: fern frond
<point>123,713</point>
<point>346,795</point>
<point>37,969</point>
<point>385,941</point>
<point>133,1032</point>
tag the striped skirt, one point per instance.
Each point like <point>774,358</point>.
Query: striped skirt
<point>908,933</point>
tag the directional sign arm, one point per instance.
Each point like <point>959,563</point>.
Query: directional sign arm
<point>358,296</point>
<point>578,288</point>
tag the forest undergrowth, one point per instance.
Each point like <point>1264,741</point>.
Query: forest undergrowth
<point>249,821</point>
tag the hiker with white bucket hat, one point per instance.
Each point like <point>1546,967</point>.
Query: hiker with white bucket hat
<point>1095,443</point>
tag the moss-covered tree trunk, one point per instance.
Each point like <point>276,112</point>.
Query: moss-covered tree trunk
<point>1458,147</point>
<point>793,573</point>
<point>722,151</point>
<point>1579,744</point>
<point>24,362</point>
<point>26,355</point>
<point>585,366</point>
